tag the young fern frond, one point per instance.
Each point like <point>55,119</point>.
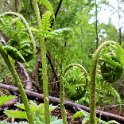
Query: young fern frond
<point>5,98</point>
<point>18,39</point>
<point>114,92</point>
<point>44,28</point>
<point>14,53</point>
<point>5,50</point>
<point>63,112</point>
<point>45,24</point>
<point>18,83</point>
<point>26,25</point>
<point>75,83</point>
<point>48,6</point>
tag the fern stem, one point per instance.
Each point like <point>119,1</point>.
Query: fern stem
<point>92,80</point>
<point>19,85</point>
<point>44,66</point>
<point>26,25</point>
<point>63,112</point>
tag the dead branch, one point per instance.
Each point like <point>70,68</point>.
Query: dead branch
<point>26,80</point>
<point>40,97</point>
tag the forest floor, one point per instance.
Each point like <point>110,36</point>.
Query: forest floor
<point>114,109</point>
<point>71,107</point>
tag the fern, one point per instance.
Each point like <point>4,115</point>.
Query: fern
<point>44,30</point>
<point>14,53</point>
<point>53,120</point>
<point>35,107</point>
<point>18,46</point>
<point>75,83</point>
<point>47,4</point>
<point>16,114</point>
<point>37,110</point>
<point>114,93</point>
<point>4,99</point>
<point>79,114</point>
<point>115,51</point>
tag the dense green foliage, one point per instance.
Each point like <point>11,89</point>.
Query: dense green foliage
<point>70,35</point>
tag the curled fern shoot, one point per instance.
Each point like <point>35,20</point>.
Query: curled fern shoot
<point>96,56</point>
<point>112,90</point>
<point>26,25</point>
<point>13,52</point>
<point>48,6</point>
<point>63,112</point>
<point>18,83</point>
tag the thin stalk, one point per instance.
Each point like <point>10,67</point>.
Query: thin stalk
<point>63,112</point>
<point>92,81</point>
<point>20,87</point>
<point>44,66</point>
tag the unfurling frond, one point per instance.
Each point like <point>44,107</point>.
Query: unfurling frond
<point>14,53</point>
<point>47,4</point>
<point>45,25</point>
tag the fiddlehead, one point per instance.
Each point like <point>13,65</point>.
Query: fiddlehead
<point>62,88</point>
<point>96,57</point>
<point>18,37</point>
<point>14,49</point>
<point>76,82</point>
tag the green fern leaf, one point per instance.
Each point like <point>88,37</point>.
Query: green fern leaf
<point>47,4</point>
<point>16,114</point>
<point>114,93</point>
<point>14,53</point>
<point>79,114</point>
<point>45,25</point>
<point>4,99</point>
<point>34,107</point>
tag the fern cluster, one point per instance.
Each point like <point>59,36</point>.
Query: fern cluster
<point>19,45</point>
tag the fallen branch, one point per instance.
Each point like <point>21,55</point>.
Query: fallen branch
<point>40,97</point>
<point>26,80</point>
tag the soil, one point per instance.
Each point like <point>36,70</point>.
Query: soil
<point>114,109</point>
